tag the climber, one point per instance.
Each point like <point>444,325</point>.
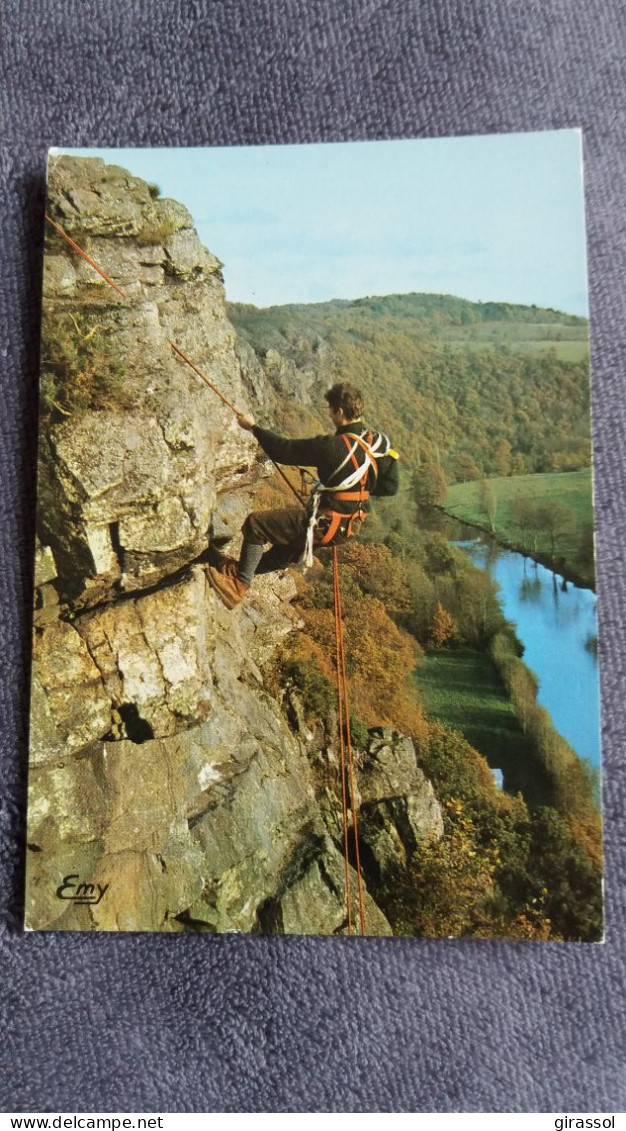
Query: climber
<point>351,465</point>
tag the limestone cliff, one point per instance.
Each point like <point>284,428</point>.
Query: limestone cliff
<point>162,772</point>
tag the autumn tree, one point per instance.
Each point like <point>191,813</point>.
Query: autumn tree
<point>548,522</point>
<point>527,518</point>
<point>466,470</point>
<point>378,573</point>
<point>502,457</point>
<point>520,682</point>
<point>422,597</point>
<point>558,522</point>
<point>489,502</point>
<point>443,628</point>
<point>380,659</point>
<point>440,555</point>
<point>429,486</point>
<point>470,596</point>
<point>453,880</point>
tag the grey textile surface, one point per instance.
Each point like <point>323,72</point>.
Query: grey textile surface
<point>185,1023</point>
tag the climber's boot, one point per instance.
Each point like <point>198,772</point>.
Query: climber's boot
<point>226,565</point>
<point>232,590</point>
<point>222,562</point>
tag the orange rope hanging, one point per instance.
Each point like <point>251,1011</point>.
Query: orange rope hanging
<point>233,409</point>
<point>344,710</point>
<point>342,753</point>
<point>84,255</point>
<point>92,263</point>
<point>205,379</point>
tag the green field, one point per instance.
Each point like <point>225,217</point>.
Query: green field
<point>569,343</point>
<point>565,351</point>
<point>462,689</point>
<point>569,539</point>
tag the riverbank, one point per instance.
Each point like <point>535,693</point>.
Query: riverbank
<point>557,530</point>
<point>554,627</point>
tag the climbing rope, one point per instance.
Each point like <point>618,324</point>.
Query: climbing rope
<point>345,744</point>
<point>342,748</point>
<point>84,255</point>
<point>205,379</point>
<point>345,748</point>
<point>233,409</point>
<point>176,348</point>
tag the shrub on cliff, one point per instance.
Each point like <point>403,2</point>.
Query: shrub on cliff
<point>81,368</point>
<point>380,656</point>
<point>378,573</point>
<point>316,691</point>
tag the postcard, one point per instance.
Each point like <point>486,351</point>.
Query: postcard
<point>315,643</point>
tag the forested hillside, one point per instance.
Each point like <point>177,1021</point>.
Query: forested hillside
<point>467,391</point>
<point>481,389</point>
<point>524,862</point>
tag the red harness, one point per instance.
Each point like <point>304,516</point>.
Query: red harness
<point>334,522</point>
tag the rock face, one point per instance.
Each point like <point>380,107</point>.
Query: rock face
<point>134,454</point>
<point>168,790</point>
<point>280,366</point>
<point>398,807</point>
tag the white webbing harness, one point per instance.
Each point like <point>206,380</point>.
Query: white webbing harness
<point>380,446</point>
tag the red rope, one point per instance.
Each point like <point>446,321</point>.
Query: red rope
<point>180,353</point>
<point>237,413</point>
<point>80,251</point>
<point>205,379</point>
<point>342,754</point>
<point>342,687</point>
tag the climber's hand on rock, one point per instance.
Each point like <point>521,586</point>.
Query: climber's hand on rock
<point>245,422</point>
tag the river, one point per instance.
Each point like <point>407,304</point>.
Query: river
<point>556,622</point>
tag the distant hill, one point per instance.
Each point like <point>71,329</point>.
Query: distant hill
<point>480,388</point>
<point>445,309</point>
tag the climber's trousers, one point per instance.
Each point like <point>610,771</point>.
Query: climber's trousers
<point>283,527</point>
<point>286,531</point>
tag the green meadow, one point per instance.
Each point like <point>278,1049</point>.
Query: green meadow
<point>462,689</point>
<point>558,524</point>
<point>567,342</point>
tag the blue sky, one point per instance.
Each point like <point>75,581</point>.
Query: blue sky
<point>488,218</point>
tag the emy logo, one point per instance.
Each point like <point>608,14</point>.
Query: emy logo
<point>80,892</point>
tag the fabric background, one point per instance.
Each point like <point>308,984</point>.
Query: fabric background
<point>171,1023</point>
